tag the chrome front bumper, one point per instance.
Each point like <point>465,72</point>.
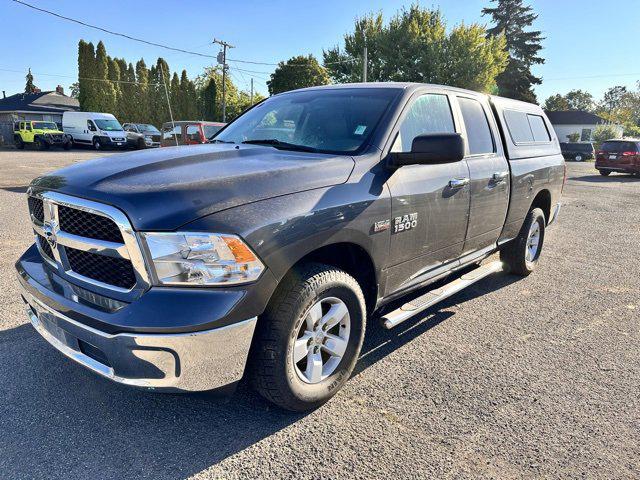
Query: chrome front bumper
<point>186,362</point>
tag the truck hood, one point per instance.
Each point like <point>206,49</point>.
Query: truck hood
<point>162,189</point>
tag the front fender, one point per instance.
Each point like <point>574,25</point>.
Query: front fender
<point>284,229</point>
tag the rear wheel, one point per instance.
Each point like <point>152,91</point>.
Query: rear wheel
<point>308,341</point>
<point>605,173</point>
<point>521,254</point>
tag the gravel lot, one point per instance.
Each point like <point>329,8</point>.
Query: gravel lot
<point>513,378</point>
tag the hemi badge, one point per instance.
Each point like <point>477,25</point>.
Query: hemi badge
<point>381,226</point>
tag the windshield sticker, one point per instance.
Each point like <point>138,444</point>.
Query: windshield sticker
<point>360,129</point>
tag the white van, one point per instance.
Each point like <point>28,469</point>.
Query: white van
<point>99,130</point>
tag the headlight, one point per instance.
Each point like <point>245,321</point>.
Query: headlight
<point>148,137</point>
<point>186,258</point>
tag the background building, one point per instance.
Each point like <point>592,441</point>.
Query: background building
<point>576,121</point>
<point>47,106</point>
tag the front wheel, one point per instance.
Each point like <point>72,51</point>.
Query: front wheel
<point>309,338</point>
<point>42,145</point>
<point>97,144</point>
<point>19,142</point>
<point>605,173</point>
<point>521,254</point>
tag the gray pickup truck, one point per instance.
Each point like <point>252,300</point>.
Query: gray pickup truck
<point>263,254</point>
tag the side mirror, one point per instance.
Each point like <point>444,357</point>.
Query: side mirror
<point>430,149</point>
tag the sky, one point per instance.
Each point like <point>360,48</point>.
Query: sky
<point>590,44</point>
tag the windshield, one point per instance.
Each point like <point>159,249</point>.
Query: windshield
<point>145,127</point>
<point>211,130</point>
<point>108,125</point>
<point>45,126</point>
<point>328,121</point>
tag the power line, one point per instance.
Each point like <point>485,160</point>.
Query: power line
<point>78,78</point>
<point>110,32</point>
<point>155,44</point>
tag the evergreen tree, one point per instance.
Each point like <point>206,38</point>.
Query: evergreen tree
<point>105,93</point>
<point>141,97</point>
<point>30,87</point>
<point>176,98</point>
<point>86,74</point>
<point>511,18</point>
<point>159,80</point>
<point>114,76</point>
<point>208,101</point>
<point>128,107</point>
<point>187,97</point>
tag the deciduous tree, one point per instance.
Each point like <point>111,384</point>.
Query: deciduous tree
<point>297,72</point>
<point>416,46</point>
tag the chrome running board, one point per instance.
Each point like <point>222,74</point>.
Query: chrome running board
<point>432,297</point>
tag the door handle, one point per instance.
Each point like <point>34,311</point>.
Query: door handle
<point>458,182</point>
<point>499,177</point>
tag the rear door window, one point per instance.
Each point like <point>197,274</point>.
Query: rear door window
<point>429,113</point>
<point>479,135</point>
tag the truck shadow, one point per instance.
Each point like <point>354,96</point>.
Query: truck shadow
<point>614,177</point>
<point>58,418</point>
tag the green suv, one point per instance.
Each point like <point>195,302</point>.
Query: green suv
<point>41,134</point>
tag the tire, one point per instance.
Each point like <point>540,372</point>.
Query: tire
<point>578,158</point>
<point>518,255</point>
<point>305,294</point>
<point>97,144</point>
<point>605,173</point>
<point>19,143</point>
<point>67,146</point>
<point>140,144</point>
<point>42,145</point>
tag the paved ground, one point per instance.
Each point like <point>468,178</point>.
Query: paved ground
<point>511,379</point>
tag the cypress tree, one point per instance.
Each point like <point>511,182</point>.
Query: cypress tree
<point>209,105</point>
<point>511,17</point>
<point>29,86</point>
<point>177,106</point>
<point>105,93</point>
<point>141,97</point>
<point>114,76</point>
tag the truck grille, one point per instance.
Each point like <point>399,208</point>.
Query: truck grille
<point>88,224</point>
<point>90,241</point>
<point>36,208</point>
<point>109,270</point>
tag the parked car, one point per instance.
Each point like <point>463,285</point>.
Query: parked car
<point>266,251</point>
<point>188,132</point>
<point>578,151</point>
<point>619,156</point>
<point>98,130</point>
<point>41,134</point>
<point>142,135</point>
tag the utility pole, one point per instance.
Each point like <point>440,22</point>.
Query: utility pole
<point>365,56</point>
<point>251,98</point>
<point>223,60</point>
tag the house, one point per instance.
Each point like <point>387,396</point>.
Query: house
<point>47,106</point>
<point>566,122</point>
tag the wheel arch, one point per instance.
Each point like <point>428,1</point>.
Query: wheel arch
<point>543,201</point>
<point>350,257</point>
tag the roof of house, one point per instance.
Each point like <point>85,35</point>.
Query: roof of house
<point>44,102</point>
<point>573,117</point>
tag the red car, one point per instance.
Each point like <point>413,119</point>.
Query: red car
<point>619,156</point>
<point>188,132</point>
